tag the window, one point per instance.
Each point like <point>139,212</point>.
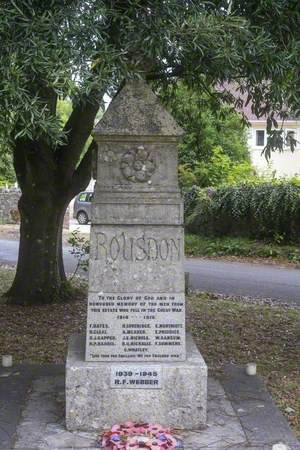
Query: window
<point>90,197</point>
<point>82,197</point>
<point>260,138</point>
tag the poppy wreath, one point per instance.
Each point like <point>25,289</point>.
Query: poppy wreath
<point>134,436</point>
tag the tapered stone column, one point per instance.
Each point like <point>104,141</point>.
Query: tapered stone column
<point>137,364</point>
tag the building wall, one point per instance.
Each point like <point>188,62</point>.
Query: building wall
<point>286,164</point>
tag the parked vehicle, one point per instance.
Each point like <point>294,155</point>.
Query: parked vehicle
<point>82,207</point>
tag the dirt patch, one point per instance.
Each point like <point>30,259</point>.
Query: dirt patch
<point>39,333</point>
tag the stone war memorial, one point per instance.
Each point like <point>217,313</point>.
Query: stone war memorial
<point>135,369</point>
<point>136,361</point>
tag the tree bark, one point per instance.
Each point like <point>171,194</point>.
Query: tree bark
<point>40,277</point>
<point>46,194</point>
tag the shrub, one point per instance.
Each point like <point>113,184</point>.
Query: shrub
<point>217,170</point>
<point>191,197</point>
<point>263,211</point>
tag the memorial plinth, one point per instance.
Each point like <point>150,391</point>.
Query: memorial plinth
<point>136,366</point>
<point>174,396</point>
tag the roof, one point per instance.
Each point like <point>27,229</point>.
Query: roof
<point>246,109</point>
<point>136,111</point>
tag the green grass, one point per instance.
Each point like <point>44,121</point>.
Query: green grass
<point>240,247</point>
<point>229,330</point>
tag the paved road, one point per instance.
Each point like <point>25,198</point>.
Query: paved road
<point>253,280</point>
<point>9,254</point>
<point>213,276</point>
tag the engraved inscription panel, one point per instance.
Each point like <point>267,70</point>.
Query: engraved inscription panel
<point>131,376</point>
<point>135,327</point>
<point>140,248</point>
<point>136,258</point>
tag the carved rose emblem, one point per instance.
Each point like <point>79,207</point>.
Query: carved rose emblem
<point>138,165</point>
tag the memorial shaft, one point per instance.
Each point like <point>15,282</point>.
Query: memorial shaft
<point>137,364</point>
<point>136,305</point>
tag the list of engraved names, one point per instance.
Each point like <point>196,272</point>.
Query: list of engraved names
<point>135,327</point>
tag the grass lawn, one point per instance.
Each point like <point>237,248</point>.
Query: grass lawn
<point>225,329</point>
<point>230,330</point>
<point>241,248</point>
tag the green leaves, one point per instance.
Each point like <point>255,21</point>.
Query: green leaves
<point>262,210</point>
<point>7,174</point>
<point>56,49</point>
<point>214,148</point>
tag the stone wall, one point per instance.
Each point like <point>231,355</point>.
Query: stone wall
<point>9,205</point>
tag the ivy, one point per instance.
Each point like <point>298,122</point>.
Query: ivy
<point>262,211</point>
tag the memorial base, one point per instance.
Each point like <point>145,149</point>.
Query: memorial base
<point>93,403</point>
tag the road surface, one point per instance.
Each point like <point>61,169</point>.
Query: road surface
<point>253,280</point>
<point>9,254</point>
<point>222,277</point>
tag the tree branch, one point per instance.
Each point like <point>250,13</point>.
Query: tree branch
<point>78,129</point>
<point>82,174</point>
<point>80,124</point>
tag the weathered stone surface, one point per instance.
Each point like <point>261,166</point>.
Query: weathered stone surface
<point>121,170</point>
<point>261,419</point>
<point>137,111</point>
<point>136,259</point>
<point>137,239</point>
<point>136,301</point>
<point>92,404</point>
<point>223,429</point>
<point>148,208</point>
<point>142,332</point>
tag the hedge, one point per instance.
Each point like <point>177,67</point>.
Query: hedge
<point>261,211</point>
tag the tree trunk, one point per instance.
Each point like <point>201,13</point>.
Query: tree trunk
<point>40,275</point>
<point>49,178</point>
